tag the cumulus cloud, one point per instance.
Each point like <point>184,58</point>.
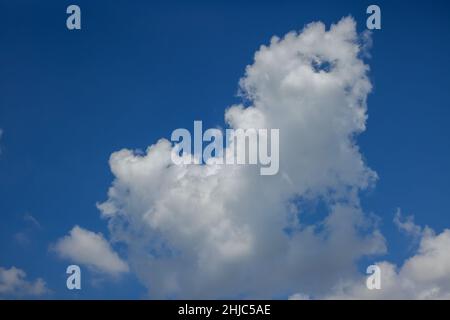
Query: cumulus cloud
<point>91,249</point>
<point>425,275</point>
<point>13,283</point>
<point>218,231</point>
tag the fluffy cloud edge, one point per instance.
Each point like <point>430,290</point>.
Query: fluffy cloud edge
<point>424,275</point>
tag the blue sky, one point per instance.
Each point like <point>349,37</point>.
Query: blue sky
<point>137,70</point>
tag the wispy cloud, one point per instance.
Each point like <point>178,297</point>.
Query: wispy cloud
<point>407,225</point>
<point>24,236</point>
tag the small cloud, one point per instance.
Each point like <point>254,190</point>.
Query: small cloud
<point>13,283</point>
<point>91,249</point>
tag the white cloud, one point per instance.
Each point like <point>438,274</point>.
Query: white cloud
<point>91,249</point>
<point>205,232</point>
<point>13,283</point>
<point>423,276</point>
